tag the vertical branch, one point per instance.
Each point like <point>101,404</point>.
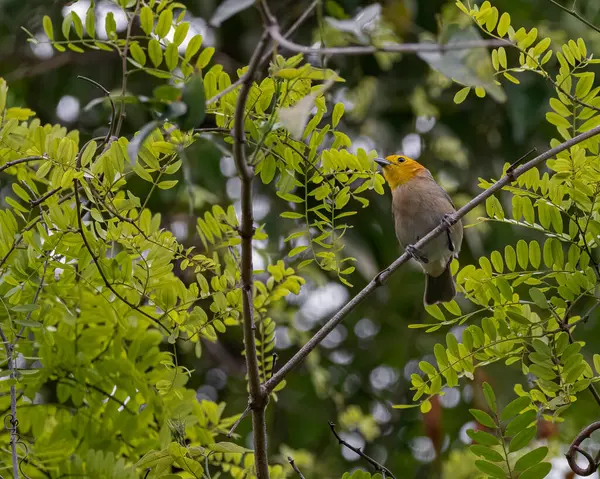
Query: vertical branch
<point>14,437</point>
<point>124,68</point>
<point>258,398</point>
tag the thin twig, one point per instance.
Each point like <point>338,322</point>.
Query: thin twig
<point>265,56</point>
<point>424,47</point>
<point>385,274</point>
<point>258,399</point>
<point>576,15</point>
<point>124,68</point>
<point>44,197</point>
<point>239,420</point>
<point>21,160</point>
<point>76,185</point>
<point>295,468</point>
<point>378,467</point>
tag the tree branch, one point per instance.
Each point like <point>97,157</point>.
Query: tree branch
<point>386,273</point>
<point>295,468</point>
<point>378,467</point>
<point>574,448</point>
<point>258,398</point>
<point>21,160</point>
<point>14,436</point>
<point>275,33</point>
<point>572,12</point>
<point>265,56</point>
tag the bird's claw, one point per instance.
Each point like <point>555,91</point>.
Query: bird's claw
<point>448,223</point>
<point>416,254</point>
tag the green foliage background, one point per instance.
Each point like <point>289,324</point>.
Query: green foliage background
<point>101,385</point>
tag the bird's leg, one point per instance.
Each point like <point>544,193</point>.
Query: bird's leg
<point>416,254</point>
<point>446,221</point>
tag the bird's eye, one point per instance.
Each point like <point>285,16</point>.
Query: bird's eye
<point>400,160</point>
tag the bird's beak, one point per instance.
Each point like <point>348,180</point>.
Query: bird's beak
<point>382,162</point>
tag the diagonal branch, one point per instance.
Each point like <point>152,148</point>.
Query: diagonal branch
<point>275,33</point>
<point>378,467</point>
<point>258,398</point>
<point>386,273</point>
<point>572,12</point>
<point>423,47</point>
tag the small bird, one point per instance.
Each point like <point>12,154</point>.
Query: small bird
<point>419,205</point>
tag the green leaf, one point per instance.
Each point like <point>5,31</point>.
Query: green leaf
<point>297,250</point>
<point>228,447</point>
<point>483,418</point>
<point>137,53</point>
<point>48,29</point>
<point>165,185</point>
<point>66,25</point>
<point>519,423</point>
<point>490,397</point>
<point>486,452</point>
<point>155,52</point>
<point>110,25</point>
<point>193,46</point>
<point>531,458</point>
<point>503,24</point>
<point>180,33</point>
<point>597,362</point>
<point>338,111</point>
<point>461,95</point>
<point>522,439</point>
<point>557,120</point>
<point>482,437</point>
<point>147,19</point>
<point>584,84</point>
<point>490,469</point>
<point>291,215</point>
<point>538,471</point>
<point>165,20</point>
<point>204,57</point>
<point>426,406</point>
<point>538,298</point>
<point>171,56</point>
<point>268,169</point>
<point>90,21</point>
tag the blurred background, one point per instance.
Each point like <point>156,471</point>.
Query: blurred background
<point>393,104</point>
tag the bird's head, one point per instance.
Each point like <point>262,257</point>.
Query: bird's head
<point>399,169</point>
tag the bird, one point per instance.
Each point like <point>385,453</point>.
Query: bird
<point>419,205</point>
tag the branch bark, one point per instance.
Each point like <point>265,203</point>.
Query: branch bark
<point>258,397</point>
<point>423,47</point>
<point>14,436</point>
<point>386,273</point>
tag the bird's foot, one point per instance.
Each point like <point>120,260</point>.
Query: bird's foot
<point>416,254</point>
<point>447,221</point>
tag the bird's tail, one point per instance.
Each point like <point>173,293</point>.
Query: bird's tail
<point>440,289</point>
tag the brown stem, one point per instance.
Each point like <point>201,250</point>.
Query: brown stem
<point>386,273</point>
<point>14,435</point>
<point>258,398</point>
<point>295,468</point>
<point>574,448</point>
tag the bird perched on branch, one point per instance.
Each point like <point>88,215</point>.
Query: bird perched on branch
<point>419,205</point>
